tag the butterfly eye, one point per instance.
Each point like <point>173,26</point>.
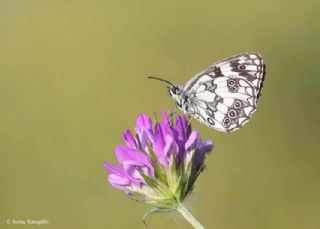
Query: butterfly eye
<point>174,90</point>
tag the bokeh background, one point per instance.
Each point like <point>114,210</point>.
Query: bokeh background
<point>73,78</point>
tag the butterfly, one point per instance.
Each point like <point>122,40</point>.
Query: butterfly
<point>225,95</point>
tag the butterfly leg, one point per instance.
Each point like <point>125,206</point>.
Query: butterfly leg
<point>189,117</point>
<point>172,113</point>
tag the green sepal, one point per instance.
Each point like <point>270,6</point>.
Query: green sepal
<point>149,180</point>
<point>173,175</point>
<point>158,168</point>
<point>187,177</point>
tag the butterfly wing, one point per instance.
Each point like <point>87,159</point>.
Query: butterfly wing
<point>225,95</point>
<point>224,103</point>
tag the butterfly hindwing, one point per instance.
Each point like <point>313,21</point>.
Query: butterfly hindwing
<point>224,103</point>
<point>248,65</point>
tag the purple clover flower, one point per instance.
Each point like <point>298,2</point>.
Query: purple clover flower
<point>160,163</point>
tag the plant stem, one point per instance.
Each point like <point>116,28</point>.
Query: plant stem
<point>189,217</point>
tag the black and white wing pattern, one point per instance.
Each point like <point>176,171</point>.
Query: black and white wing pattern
<point>225,95</point>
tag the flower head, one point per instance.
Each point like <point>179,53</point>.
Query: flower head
<point>160,163</point>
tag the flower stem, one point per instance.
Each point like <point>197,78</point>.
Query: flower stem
<point>189,217</point>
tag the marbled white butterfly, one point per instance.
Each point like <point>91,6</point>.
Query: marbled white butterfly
<point>224,96</point>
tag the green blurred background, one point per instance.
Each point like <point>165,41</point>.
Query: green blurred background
<point>73,77</point>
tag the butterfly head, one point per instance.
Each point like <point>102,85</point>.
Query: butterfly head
<point>175,90</point>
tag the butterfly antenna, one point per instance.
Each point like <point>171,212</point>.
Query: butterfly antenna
<point>163,80</point>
